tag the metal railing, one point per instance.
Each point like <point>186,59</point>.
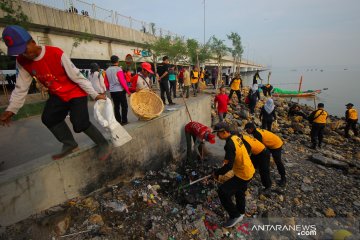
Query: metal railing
<point>93,11</point>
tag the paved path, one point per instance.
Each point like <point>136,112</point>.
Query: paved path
<point>28,139</point>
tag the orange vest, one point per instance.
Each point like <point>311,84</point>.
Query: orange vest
<point>320,116</point>
<point>242,167</point>
<point>269,139</point>
<point>353,114</point>
<point>256,146</point>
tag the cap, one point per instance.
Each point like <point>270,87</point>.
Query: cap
<point>349,104</point>
<point>210,138</point>
<point>249,126</point>
<point>147,67</point>
<point>16,39</point>
<point>221,126</point>
<point>114,59</point>
<point>320,105</point>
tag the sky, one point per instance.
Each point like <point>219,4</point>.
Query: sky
<point>279,33</point>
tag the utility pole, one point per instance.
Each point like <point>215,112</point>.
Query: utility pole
<point>204,22</point>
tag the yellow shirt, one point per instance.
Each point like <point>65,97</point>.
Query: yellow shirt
<point>269,139</point>
<point>235,85</point>
<point>242,167</point>
<point>320,116</point>
<point>256,146</point>
<point>353,114</point>
<point>187,81</point>
<point>195,77</point>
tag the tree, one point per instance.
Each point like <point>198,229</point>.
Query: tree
<point>219,48</point>
<point>237,49</point>
<point>177,50</point>
<point>197,53</point>
<point>83,37</point>
<point>157,48</point>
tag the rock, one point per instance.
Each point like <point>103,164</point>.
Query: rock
<point>162,236</point>
<point>306,188</point>
<point>179,227</point>
<point>90,203</point>
<point>329,212</point>
<point>262,197</point>
<point>356,203</point>
<point>357,155</point>
<point>306,180</point>
<point>203,233</point>
<point>281,198</point>
<point>297,201</point>
<point>96,219</point>
<point>328,162</point>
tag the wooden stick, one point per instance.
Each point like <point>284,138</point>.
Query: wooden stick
<point>187,110</point>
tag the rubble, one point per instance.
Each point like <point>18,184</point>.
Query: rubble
<point>322,184</point>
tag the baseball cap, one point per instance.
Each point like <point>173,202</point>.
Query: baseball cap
<point>147,67</point>
<point>114,59</point>
<point>221,126</point>
<point>320,105</point>
<point>16,39</point>
<point>249,126</point>
<point>349,104</point>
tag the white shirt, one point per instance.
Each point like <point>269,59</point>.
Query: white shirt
<point>97,81</point>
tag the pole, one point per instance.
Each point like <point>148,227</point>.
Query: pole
<point>204,22</point>
<point>187,110</point>
<point>301,79</point>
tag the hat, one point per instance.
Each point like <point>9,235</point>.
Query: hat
<point>349,104</point>
<point>320,105</point>
<point>221,126</point>
<point>114,59</point>
<point>147,66</point>
<point>16,39</point>
<point>249,126</point>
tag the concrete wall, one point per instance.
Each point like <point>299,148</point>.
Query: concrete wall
<point>43,183</point>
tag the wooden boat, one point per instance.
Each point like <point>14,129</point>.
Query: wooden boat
<point>277,92</point>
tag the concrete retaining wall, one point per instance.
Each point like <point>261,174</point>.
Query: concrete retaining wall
<point>43,183</point>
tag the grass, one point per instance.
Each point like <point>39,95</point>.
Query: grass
<point>28,110</point>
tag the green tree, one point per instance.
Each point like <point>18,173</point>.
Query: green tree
<point>219,49</point>
<point>197,53</point>
<point>83,37</point>
<point>158,48</point>
<point>236,50</point>
<point>177,51</point>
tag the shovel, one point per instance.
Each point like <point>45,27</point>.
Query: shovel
<point>193,182</point>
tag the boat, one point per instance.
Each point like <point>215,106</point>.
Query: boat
<point>278,92</point>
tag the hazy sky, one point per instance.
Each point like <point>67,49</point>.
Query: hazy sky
<point>274,32</point>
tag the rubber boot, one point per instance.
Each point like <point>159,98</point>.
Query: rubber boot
<point>104,148</point>
<point>64,135</point>
<point>282,182</point>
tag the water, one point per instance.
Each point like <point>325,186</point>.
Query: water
<point>343,85</point>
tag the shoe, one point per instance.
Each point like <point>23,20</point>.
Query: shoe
<point>124,123</point>
<point>282,182</point>
<point>172,103</point>
<point>319,146</point>
<point>233,221</point>
<point>63,134</point>
<point>313,146</point>
<point>104,148</point>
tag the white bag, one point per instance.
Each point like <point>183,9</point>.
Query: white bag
<point>104,115</point>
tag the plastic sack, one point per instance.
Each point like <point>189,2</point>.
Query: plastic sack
<point>104,115</point>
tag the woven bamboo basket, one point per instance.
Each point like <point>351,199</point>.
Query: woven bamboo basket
<point>146,104</point>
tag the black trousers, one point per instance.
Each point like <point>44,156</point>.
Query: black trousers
<point>164,88</point>
<point>119,99</point>
<point>317,133</point>
<point>267,92</point>
<point>266,125</point>
<point>195,87</point>
<point>234,186</point>
<point>262,162</point>
<point>276,153</point>
<point>351,124</point>
<point>238,94</point>
<point>56,110</point>
<point>213,81</point>
<point>173,88</point>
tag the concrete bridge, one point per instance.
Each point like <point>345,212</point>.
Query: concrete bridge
<point>82,36</point>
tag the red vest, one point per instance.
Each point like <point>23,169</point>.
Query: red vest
<point>50,72</point>
<point>197,129</point>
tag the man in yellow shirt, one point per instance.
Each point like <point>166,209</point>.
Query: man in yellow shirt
<point>318,120</point>
<point>351,117</point>
<point>260,157</point>
<point>273,143</point>
<point>236,86</point>
<point>195,79</point>
<point>238,160</point>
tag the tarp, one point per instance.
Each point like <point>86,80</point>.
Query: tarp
<point>283,91</point>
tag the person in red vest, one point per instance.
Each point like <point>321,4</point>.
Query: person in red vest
<point>141,80</point>
<point>199,133</point>
<point>68,91</point>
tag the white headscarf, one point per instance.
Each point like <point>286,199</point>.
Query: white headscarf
<point>254,88</point>
<point>269,105</point>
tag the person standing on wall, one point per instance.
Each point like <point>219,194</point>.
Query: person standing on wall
<point>256,77</point>
<point>172,81</point>
<point>141,80</point>
<point>163,78</point>
<point>195,79</point>
<point>116,83</point>
<point>68,91</point>
<point>96,78</point>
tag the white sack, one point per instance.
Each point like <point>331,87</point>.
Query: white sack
<point>104,115</point>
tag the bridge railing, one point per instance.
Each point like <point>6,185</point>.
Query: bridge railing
<point>93,11</point>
